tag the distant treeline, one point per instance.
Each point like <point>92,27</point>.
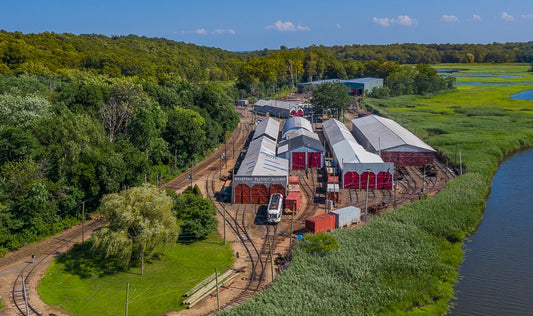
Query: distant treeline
<point>411,53</point>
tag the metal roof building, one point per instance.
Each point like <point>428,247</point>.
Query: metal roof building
<point>357,85</point>
<point>392,142</point>
<point>268,127</point>
<point>280,109</point>
<point>295,123</point>
<point>301,145</point>
<point>357,167</point>
<point>260,174</point>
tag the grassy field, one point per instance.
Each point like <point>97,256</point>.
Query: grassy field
<point>72,285</point>
<point>405,261</point>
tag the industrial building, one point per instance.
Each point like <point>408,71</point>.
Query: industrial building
<point>358,86</point>
<point>300,145</point>
<point>268,127</point>
<point>261,173</point>
<point>358,168</point>
<point>279,109</point>
<point>392,142</point>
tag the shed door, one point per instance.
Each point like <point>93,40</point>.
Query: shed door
<point>298,160</point>
<point>384,181</point>
<point>351,180</point>
<point>242,194</point>
<point>370,178</point>
<point>314,160</point>
<point>277,188</point>
<point>259,194</point>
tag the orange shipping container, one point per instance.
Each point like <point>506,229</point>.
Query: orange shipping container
<point>320,223</point>
<point>293,200</point>
<point>333,179</point>
<point>294,180</point>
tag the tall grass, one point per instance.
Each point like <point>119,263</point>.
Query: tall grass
<point>405,261</point>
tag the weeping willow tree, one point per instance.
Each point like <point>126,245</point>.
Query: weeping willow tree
<point>140,220</point>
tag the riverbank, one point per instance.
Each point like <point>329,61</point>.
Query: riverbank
<point>406,261</point>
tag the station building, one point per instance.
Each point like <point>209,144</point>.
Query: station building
<point>392,142</point>
<point>300,145</point>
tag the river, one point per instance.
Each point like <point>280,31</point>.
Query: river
<point>496,277</point>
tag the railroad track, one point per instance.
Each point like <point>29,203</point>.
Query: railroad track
<point>20,296</point>
<point>259,256</point>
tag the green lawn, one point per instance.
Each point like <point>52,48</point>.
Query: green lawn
<point>406,261</point>
<point>73,289</point>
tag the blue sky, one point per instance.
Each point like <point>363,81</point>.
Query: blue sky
<point>251,25</point>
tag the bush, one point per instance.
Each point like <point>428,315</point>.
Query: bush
<point>320,243</point>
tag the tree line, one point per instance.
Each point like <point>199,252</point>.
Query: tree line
<point>77,137</point>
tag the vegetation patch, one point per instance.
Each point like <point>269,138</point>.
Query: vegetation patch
<point>76,284</point>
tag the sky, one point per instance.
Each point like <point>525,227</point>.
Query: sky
<point>255,25</point>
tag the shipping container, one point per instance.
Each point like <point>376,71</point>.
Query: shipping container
<point>294,188</point>
<point>320,223</point>
<point>293,201</point>
<point>346,216</point>
<point>294,180</point>
<point>333,179</point>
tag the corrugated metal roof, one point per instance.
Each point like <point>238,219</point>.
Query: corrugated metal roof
<point>296,122</point>
<point>269,127</point>
<point>354,80</point>
<point>298,132</point>
<point>298,142</point>
<point>383,133</point>
<point>343,144</point>
<point>287,105</point>
<point>260,160</point>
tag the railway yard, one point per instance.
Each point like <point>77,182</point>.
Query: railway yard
<point>261,250</point>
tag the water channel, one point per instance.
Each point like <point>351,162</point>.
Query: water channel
<point>496,277</point>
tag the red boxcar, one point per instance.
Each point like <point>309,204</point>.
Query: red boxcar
<point>294,180</point>
<point>320,223</point>
<point>293,200</point>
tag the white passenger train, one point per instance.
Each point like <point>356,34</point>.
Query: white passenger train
<point>275,208</point>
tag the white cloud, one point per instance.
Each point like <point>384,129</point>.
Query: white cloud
<point>476,17</point>
<point>286,27</point>
<point>527,16</point>
<point>222,31</point>
<point>406,20</point>
<point>449,18</point>
<point>339,26</point>
<point>507,17</point>
<point>203,31</point>
<point>401,20</point>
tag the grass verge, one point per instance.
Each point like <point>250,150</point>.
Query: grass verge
<point>72,284</point>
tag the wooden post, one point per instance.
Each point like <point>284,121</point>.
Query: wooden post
<point>83,222</point>
<point>218,293</point>
<point>366,199</point>
<point>127,297</point>
<point>271,259</point>
<point>292,226</point>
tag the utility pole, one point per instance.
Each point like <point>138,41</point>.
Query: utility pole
<point>218,293</point>
<point>394,196</point>
<point>424,178</point>
<point>52,215</point>
<point>127,297</point>
<point>224,216</point>
<point>271,259</point>
<point>83,222</point>
<point>225,154</point>
<point>366,199</point>
<point>292,226</point>
<point>220,169</point>
<point>191,174</point>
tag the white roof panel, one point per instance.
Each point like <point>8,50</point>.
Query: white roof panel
<point>296,122</point>
<point>269,127</point>
<point>383,133</point>
<point>299,132</point>
<point>345,148</point>
<point>278,104</point>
